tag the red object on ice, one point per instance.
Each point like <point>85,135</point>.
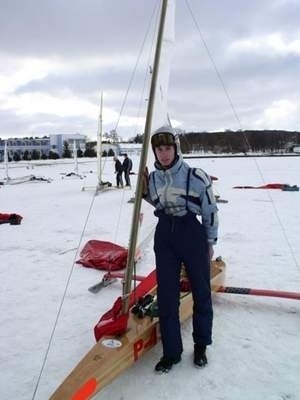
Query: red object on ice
<point>213,178</point>
<point>103,255</point>
<point>272,186</point>
<point>115,323</point>
<point>12,219</point>
<point>112,322</point>
<point>267,186</point>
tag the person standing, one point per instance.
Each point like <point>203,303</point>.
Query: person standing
<point>180,194</point>
<point>127,167</point>
<point>118,172</point>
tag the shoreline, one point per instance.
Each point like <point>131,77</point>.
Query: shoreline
<point>238,155</point>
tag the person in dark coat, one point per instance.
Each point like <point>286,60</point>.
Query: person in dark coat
<point>118,172</point>
<point>127,167</point>
<point>180,194</point>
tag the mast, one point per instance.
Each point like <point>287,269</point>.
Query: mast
<point>143,160</point>
<point>6,160</point>
<point>99,143</point>
<point>75,157</point>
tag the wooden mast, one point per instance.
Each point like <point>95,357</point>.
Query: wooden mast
<point>143,161</point>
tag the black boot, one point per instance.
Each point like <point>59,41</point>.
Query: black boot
<point>166,363</point>
<point>200,359</point>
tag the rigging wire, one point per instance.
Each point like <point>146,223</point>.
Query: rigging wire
<point>83,231</point>
<point>140,105</point>
<point>242,132</point>
<point>62,300</point>
<point>133,74</point>
<point>148,68</point>
<point>135,67</point>
<point>215,67</point>
<point>155,11</point>
<point>93,198</point>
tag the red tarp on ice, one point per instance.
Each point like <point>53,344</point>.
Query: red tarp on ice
<point>282,186</point>
<point>103,255</point>
<point>12,219</point>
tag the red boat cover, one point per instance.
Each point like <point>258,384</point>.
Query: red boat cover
<point>113,322</point>
<point>267,186</point>
<point>103,255</point>
<point>12,219</point>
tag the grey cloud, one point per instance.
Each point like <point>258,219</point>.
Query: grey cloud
<point>78,83</point>
<point>35,27</point>
<point>86,28</point>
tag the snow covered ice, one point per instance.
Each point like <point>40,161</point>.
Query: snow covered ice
<point>256,348</point>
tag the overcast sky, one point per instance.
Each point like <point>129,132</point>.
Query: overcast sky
<point>57,55</point>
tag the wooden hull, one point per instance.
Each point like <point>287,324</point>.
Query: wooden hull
<point>112,355</point>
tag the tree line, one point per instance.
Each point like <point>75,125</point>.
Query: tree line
<point>273,141</point>
<point>88,152</point>
<point>228,141</point>
<point>270,141</point>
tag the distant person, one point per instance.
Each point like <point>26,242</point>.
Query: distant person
<point>127,167</point>
<point>180,194</point>
<point>118,172</point>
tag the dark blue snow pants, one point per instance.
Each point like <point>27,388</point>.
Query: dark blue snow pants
<point>177,240</point>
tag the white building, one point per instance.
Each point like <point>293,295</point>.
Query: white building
<point>57,142</point>
<point>130,148</point>
<point>21,146</point>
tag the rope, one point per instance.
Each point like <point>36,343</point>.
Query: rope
<point>140,104</point>
<point>215,66</point>
<point>62,301</point>
<point>148,65</point>
<point>155,10</point>
<point>135,68</point>
<point>281,225</point>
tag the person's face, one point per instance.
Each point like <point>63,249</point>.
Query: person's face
<point>165,154</point>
